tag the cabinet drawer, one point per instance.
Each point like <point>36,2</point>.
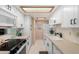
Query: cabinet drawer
<point>56,50</point>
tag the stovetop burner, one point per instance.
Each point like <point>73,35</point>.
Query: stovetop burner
<point>7,46</point>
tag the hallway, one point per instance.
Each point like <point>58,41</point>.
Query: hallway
<point>37,46</point>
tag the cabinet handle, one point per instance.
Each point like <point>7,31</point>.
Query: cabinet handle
<point>48,44</point>
<point>74,20</point>
<point>27,43</point>
<point>71,21</point>
<point>9,7</point>
<point>54,21</point>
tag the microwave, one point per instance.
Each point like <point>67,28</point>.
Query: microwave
<point>3,31</point>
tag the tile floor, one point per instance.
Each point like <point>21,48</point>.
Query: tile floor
<point>37,46</point>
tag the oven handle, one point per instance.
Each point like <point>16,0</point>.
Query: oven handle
<point>21,48</point>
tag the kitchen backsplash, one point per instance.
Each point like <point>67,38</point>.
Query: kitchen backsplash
<point>11,31</point>
<point>69,33</point>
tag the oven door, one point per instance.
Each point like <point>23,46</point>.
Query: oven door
<point>19,49</point>
<point>22,49</point>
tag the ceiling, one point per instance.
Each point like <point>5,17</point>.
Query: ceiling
<point>38,11</point>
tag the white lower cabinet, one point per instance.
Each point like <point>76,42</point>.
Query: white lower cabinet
<point>51,47</point>
<point>28,44</point>
<point>48,45</point>
<point>56,50</point>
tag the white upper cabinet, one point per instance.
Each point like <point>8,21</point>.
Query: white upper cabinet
<point>7,11</point>
<point>6,21</point>
<point>56,16</point>
<point>70,17</point>
<point>51,22</point>
<point>7,18</point>
<point>19,17</point>
<point>11,14</point>
<point>19,20</point>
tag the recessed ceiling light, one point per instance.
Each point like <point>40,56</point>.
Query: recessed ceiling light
<point>38,9</point>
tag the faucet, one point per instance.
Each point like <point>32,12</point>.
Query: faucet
<point>61,35</point>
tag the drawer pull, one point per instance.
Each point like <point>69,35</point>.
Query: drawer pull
<point>48,44</point>
<point>27,43</point>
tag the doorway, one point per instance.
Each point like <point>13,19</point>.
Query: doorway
<point>38,28</point>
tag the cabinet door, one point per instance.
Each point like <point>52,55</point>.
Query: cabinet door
<point>49,46</point>
<point>28,44</point>
<point>45,41</point>
<point>70,16</point>
<point>20,21</point>
<point>57,16</point>
<point>2,19</point>
<point>6,21</point>
<point>55,50</point>
<point>10,21</point>
<point>5,12</point>
<point>51,22</point>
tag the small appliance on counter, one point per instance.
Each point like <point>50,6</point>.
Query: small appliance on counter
<point>51,31</point>
<point>19,32</point>
<point>60,34</point>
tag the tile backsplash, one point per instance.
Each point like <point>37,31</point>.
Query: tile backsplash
<point>11,31</point>
<point>71,34</point>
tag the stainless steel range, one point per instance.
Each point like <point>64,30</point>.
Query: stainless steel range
<point>13,46</point>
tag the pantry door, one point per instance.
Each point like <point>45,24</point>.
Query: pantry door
<point>39,29</point>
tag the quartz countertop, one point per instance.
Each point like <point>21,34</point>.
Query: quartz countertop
<point>3,38</point>
<point>52,37</point>
<point>14,37</point>
<point>22,37</point>
<point>66,46</point>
